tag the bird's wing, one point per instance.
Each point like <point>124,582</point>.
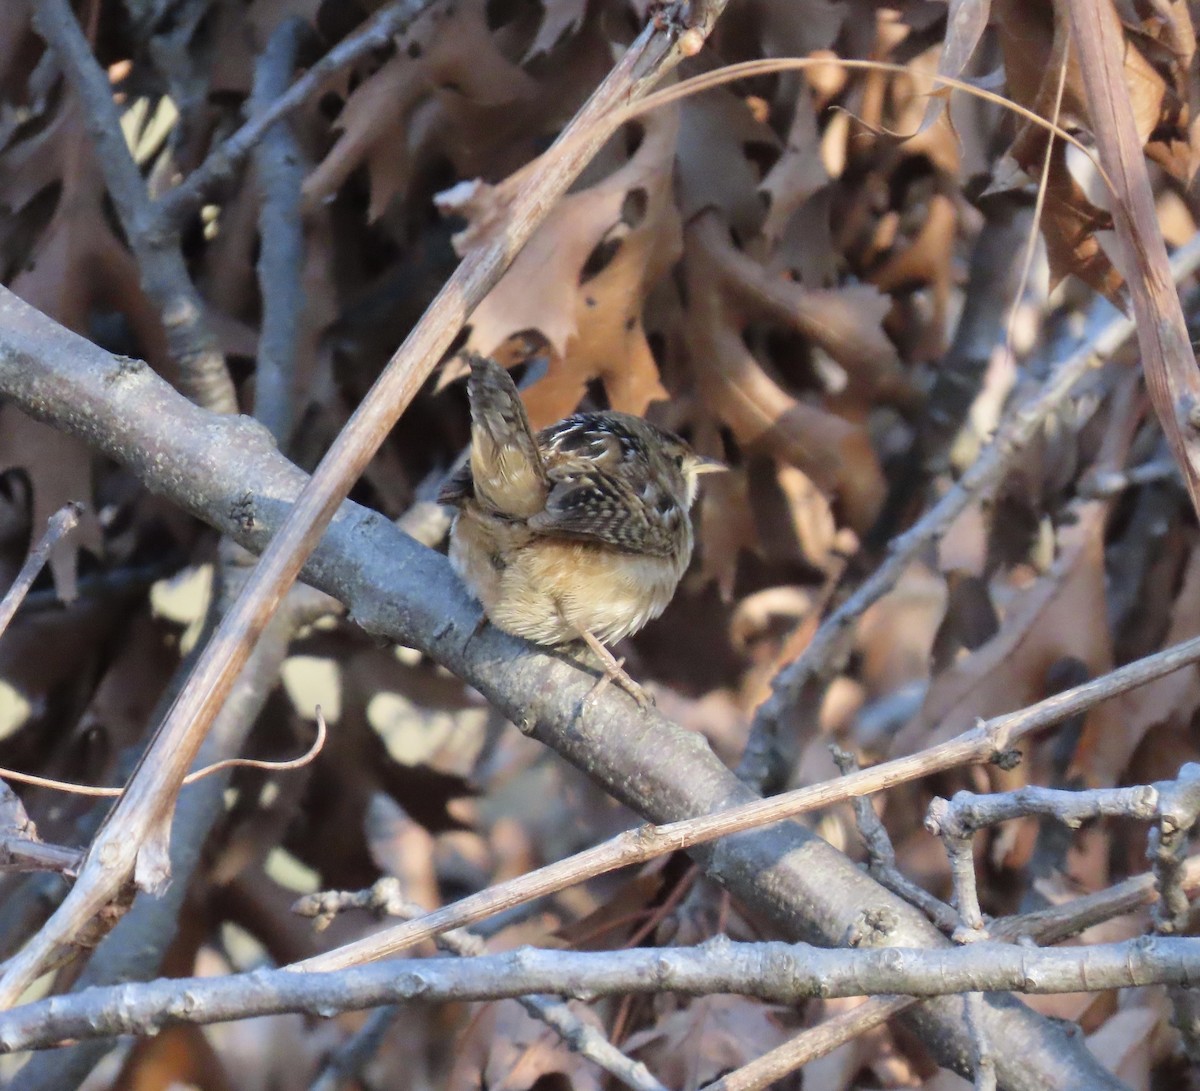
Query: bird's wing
<point>632,514</point>
<point>505,472</point>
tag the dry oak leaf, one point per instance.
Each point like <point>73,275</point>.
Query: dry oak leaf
<point>693,1045</point>
<point>76,269</point>
<point>560,19</point>
<point>179,1056</point>
<point>926,259</point>
<point>76,265</point>
<point>504,1047</point>
<point>1061,614</point>
<point>1130,1042</point>
<point>834,453</point>
<point>720,144</point>
<point>403,849</point>
<point>896,634</point>
<point>451,55</point>
<point>798,173</point>
<point>726,527</point>
<point>137,670</point>
<point>966,20</point>
<point>580,283</point>
<point>788,29</point>
<point>1171,700</point>
<point>847,322</point>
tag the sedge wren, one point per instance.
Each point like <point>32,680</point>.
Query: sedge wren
<point>580,532</point>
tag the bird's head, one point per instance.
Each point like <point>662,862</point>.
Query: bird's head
<point>684,466</point>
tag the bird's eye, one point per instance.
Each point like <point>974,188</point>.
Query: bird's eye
<point>678,460</point>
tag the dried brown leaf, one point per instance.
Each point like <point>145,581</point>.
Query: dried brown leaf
<point>693,1045</point>
<point>718,136</point>
<point>834,453</point>
<point>451,61</point>
<point>1034,39</point>
<point>507,1048</point>
<point>590,318</point>
<point>1061,614</point>
<point>797,174</point>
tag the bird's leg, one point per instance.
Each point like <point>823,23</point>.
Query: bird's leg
<point>614,671</point>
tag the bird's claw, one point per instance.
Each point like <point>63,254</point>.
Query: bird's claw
<point>615,672</point>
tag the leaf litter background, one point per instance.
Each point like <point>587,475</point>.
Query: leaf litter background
<point>759,267</point>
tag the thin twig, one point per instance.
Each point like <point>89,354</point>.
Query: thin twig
<point>23,854</point>
<point>1061,922</point>
<point>882,855</point>
<point>282,765</point>
<point>61,523</point>
<point>777,972</point>
<point>21,849</point>
<point>348,1060</point>
<point>768,66</point>
<point>808,1045</point>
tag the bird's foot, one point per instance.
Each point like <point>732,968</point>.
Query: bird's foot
<point>614,671</point>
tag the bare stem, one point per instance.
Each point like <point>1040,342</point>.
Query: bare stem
<point>59,525</point>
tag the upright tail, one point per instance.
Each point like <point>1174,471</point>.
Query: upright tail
<point>506,469</point>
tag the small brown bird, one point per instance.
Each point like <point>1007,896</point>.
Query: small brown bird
<point>580,532</point>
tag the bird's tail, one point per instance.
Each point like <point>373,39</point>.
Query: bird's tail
<point>507,470</point>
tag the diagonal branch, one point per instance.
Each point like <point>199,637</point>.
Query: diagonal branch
<point>61,523</point>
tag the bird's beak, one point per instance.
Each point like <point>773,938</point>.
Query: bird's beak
<point>701,464</point>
